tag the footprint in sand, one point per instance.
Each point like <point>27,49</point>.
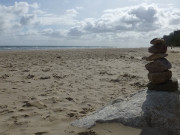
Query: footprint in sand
<point>70,99</point>
<point>5,76</point>
<point>36,104</point>
<point>72,115</point>
<point>26,70</point>
<point>40,133</point>
<point>45,77</point>
<point>29,76</point>
<point>58,76</point>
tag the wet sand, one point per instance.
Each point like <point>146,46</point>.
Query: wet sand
<point>42,92</point>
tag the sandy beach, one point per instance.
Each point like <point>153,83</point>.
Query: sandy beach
<point>43,91</point>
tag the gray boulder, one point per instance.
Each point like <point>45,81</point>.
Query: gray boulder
<point>147,108</point>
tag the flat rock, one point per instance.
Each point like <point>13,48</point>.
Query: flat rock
<point>170,85</point>
<point>156,78</point>
<point>158,49</point>
<point>157,41</point>
<point>158,65</point>
<point>147,108</point>
<point>155,57</point>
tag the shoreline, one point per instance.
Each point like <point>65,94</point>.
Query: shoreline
<point>45,48</point>
<point>52,48</point>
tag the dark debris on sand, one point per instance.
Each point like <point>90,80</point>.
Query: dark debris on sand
<point>90,132</point>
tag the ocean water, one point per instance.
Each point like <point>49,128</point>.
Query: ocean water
<point>47,47</point>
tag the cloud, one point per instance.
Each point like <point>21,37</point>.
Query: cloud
<point>173,16</point>
<point>10,15</point>
<point>51,19</point>
<point>68,18</point>
<point>23,14</point>
<point>140,22</point>
<point>136,18</point>
<point>19,8</point>
<point>25,20</point>
<point>75,32</point>
<point>71,12</point>
<point>133,23</point>
<point>53,33</point>
<point>147,16</point>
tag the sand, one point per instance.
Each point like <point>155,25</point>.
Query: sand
<point>43,91</point>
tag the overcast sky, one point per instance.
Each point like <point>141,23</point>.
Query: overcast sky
<point>122,23</point>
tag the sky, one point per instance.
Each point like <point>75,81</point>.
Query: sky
<point>120,23</point>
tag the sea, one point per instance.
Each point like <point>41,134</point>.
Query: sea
<point>3,48</point>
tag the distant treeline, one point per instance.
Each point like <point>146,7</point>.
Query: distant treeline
<point>173,39</point>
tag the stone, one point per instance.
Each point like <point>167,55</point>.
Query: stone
<point>158,49</point>
<point>157,41</point>
<point>170,85</point>
<point>155,57</point>
<point>155,109</point>
<point>158,65</point>
<point>160,77</point>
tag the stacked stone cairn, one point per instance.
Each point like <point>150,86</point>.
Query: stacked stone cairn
<point>159,75</point>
